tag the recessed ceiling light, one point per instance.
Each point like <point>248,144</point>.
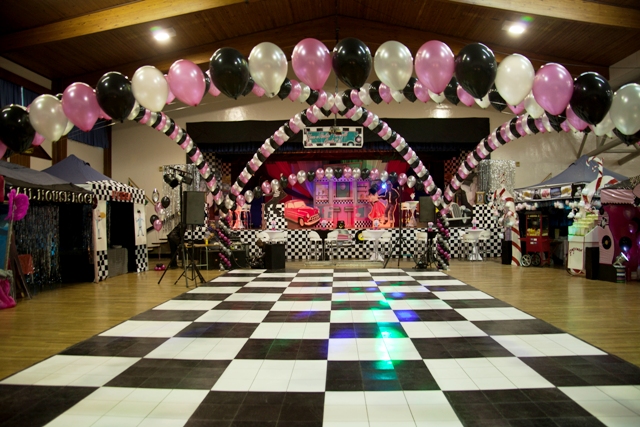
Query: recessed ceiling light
<point>163,34</point>
<point>514,28</point>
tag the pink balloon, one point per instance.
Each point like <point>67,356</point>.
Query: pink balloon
<point>503,134</point>
<point>319,173</point>
<point>158,207</point>
<point>37,140</point>
<point>565,126</point>
<point>322,99</point>
<point>292,179</point>
<point>384,130</point>
<point>465,97</point>
<point>311,62</point>
<point>293,126</point>
<point>335,109</point>
<point>266,188</point>
<point>374,174</point>
<point>80,105</point>
<point>519,127</point>
<point>434,65</point>
<point>355,97</point>
<point>517,109</point>
<point>257,91</point>
<point>540,126</point>
<point>3,149</point>
<point>104,115</point>
<point>170,95</point>
<point>213,90</point>
<point>552,88</point>
<point>347,172</point>
<point>312,118</point>
<point>385,93</point>
<point>240,200</point>
<point>157,225</point>
<point>296,90</point>
<point>421,92</point>
<point>186,81</point>
<point>402,179</point>
<point>575,121</point>
<point>369,119</point>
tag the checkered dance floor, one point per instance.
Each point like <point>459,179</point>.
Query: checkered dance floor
<point>334,348</point>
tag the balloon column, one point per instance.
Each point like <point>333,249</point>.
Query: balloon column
<point>443,252</point>
<point>224,235</point>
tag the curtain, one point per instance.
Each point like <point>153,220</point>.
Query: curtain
<point>96,137</point>
<point>11,93</point>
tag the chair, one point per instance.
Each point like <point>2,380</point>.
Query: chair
<point>314,240</point>
<point>263,236</point>
<point>483,239</point>
<point>386,240</point>
<point>280,237</point>
<point>466,243</point>
<point>337,238</point>
<point>456,213</point>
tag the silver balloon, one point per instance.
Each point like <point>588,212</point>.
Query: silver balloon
<point>397,95</point>
<point>275,184</point>
<point>301,176</point>
<point>384,176</point>
<point>393,64</point>
<point>248,196</point>
<point>268,67</point>
<point>411,181</point>
<point>304,92</point>
<point>47,117</point>
<point>625,109</point>
<point>328,173</point>
<point>228,203</point>
<point>356,173</point>
<point>155,196</point>
<point>438,98</point>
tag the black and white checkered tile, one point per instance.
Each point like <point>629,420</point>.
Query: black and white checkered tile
<point>361,347</point>
<point>104,190</point>
<point>103,265</point>
<point>274,216</point>
<point>142,258</point>
<point>451,166</point>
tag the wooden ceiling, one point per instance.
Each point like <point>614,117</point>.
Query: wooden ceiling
<point>68,40</point>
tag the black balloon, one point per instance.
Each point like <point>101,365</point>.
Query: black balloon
<point>346,100</point>
<point>627,139</point>
<point>257,192</point>
<point>496,100</point>
<point>115,96</point>
<point>374,92</point>
<point>337,172</point>
<point>364,173</point>
<point>248,87</point>
<point>16,131</point>
<point>393,177</point>
<point>311,175</point>
<point>556,121</point>
<point>451,91</point>
<point>165,202</point>
<point>419,185</point>
<point>284,181</point>
<point>153,219</point>
<point>408,90</point>
<point>229,71</point>
<point>352,62</point>
<point>285,89</point>
<point>476,69</point>
<point>592,97</point>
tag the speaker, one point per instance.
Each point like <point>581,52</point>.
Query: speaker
<point>427,210</point>
<point>193,207</point>
<point>274,256</point>
<point>239,259</point>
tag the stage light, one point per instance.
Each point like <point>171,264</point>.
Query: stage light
<point>620,260</point>
<point>187,180</point>
<point>171,180</point>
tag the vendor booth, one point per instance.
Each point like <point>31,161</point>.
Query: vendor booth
<point>119,237</point>
<point>56,232</point>
<point>619,238</point>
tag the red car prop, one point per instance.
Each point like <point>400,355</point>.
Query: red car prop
<point>298,211</point>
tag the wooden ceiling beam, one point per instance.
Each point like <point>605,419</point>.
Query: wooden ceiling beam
<point>136,12</point>
<point>590,12</point>
<point>373,34</point>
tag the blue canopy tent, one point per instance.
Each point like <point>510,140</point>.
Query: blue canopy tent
<point>76,171</point>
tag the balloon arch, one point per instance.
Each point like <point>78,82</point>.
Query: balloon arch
<point>550,96</point>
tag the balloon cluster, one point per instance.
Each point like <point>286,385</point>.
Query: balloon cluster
<point>224,233</point>
<point>443,252</point>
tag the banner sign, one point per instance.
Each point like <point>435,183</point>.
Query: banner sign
<point>55,196</point>
<point>332,137</point>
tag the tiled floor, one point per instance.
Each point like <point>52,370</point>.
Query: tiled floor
<point>304,348</point>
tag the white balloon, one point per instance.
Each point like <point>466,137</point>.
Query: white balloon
<point>483,102</point>
<point>411,181</point>
<point>355,173</point>
<point>301,176</point>
<point>397,95</point>
<point>364,94</point>
<point>438,98</point>
<point>328,173</point>
<point>47,117</point>
<point>268,67</point>
<point>532,107</point>
<point>606,125</point>
<point>393,64</point>
<point>384,176</point>
<point>304,92</point>
<point>625,109</point>
<point>514,79</point>
<point>150,88</point>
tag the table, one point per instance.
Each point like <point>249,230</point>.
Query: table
<point>413,205</point>
<point>207,247</point>
<point>474,255</point>
<point>376,235</point>
<point>273,233</point>
<point>323,232</point>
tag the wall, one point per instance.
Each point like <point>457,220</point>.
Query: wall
<point>91,155</point>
